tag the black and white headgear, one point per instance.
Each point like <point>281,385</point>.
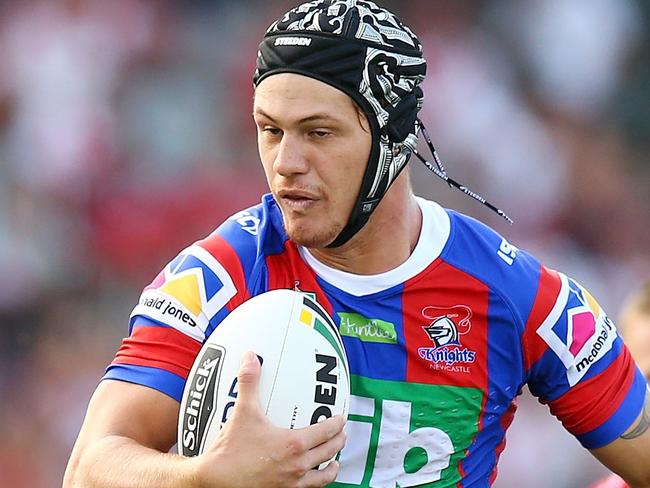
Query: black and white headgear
<point>369,54</point>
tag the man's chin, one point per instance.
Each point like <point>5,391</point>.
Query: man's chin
<point>311,238</point>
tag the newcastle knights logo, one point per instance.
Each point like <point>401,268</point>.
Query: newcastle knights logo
<point>445,328</point>
<point>447,324</point>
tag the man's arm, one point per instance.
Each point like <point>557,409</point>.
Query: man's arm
<point>629,455</point>
<point>127,431</point>
<point>129,428</point>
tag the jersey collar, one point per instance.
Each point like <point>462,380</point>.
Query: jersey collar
<point>433,237</point>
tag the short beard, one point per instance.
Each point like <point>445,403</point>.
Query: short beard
<point>313,240</point>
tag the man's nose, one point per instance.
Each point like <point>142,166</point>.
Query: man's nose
<point>290,158</point>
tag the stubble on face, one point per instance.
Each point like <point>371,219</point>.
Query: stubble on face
<point>304,234</point>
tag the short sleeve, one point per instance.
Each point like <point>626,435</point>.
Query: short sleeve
<point>175,314</point>
<point>578,365</point>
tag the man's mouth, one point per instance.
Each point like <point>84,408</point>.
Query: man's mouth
<point>297,199</point>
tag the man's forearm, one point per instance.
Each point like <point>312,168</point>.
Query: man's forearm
<point>120,462</point>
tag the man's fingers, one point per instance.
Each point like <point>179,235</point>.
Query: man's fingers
<point>248,380</point>
<point>326,451</point>
<point>321,477</point>
<point>321,432</point>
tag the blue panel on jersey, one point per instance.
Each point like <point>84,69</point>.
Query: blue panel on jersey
<point>173,266</point>
<point>474,248</point>
<point>248,244</point>
<point>622,418</point>
<point>158,379</point>
<point>561,329</point>
<point>142,321</point>
<point>274,240</point>
<point>505,379</point>
<point>378,360</point>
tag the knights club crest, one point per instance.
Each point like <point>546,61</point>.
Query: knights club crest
<point>446,326</point>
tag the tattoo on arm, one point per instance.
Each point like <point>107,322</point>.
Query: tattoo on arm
<point>644,421</point>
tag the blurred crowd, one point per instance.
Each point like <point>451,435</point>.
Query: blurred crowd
<point>126,134</point>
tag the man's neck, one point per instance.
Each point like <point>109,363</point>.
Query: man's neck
<point>385,242</point>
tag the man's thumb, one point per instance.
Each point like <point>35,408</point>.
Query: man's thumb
<point>248,380</point>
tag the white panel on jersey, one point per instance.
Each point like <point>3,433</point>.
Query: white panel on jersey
<point>165,309</point>
<point>362,406</point>
<point>181,299</point>
<point>354,456</point>
<point>396,439</point>
<point>433,237</point>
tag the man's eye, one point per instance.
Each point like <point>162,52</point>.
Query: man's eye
<point>320,134</point>
<point>272,131</point>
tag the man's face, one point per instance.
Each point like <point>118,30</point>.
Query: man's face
<point>314,146</point>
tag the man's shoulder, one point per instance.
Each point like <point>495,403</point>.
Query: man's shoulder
<point>236,250</point>
<point>483,252</point>
<point>507,272</point>
<point>252,232</point>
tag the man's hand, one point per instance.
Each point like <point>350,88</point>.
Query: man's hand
<point>129,428</point>
<point>250,451</point>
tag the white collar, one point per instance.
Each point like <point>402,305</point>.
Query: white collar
<point>433,237</point>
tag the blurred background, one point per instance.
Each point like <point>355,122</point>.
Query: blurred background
<point>126,133</point>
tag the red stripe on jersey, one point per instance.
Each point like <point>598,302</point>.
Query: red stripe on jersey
<point>506,420</point>
<point>226,255</point>
<point>547,294</point>
<point>288,270</point>
<point>423,305</point>
<point>590,403</point>
<point>159,347</point>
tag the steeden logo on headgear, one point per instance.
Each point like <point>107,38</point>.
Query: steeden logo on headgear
<point>293,41</point>
<point>446,326</point>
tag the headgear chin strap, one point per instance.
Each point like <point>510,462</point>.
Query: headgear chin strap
<point>366,52</point>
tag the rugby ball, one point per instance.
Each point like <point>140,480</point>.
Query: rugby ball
<point>304,375</point>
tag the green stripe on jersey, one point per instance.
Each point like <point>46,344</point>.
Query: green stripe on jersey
<point>407,434</point>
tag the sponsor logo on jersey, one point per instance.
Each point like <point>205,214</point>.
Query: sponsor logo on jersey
<point>367,330</point>
<point>507,252</point>
<point>248,222</point>
<point>167,308</point>
<point>445,328</point>
<point>577,329</point>
<point>188,292</point>
<point>406,434</point>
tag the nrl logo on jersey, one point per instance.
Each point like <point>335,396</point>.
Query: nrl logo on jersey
<point>445,328</point>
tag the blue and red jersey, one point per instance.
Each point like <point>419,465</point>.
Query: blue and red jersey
<point>438,348</point>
